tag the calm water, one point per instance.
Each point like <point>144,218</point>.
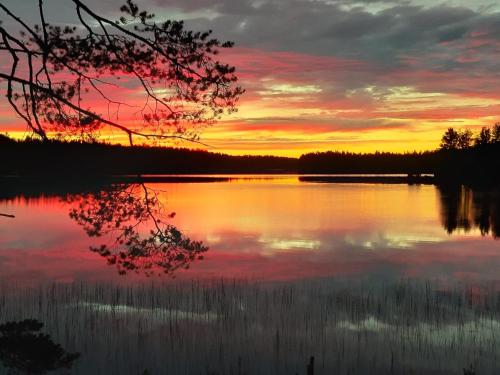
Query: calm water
<point>254,276</point>
<point>273,229</point>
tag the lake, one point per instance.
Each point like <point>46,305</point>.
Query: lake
<point>256,274</point>
<point>276,228</point>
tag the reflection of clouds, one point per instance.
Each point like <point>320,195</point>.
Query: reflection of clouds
<point>233,241</point>
<point>369,253</point>
<point>361,323</point>
<point>369,324</point>
<point>270,230</point>
<point>277,243</point>
<point>159,314</point>
<point>391,240</point>
<point>440,335</point>
<point>261,243</point>
<point>214,238</point>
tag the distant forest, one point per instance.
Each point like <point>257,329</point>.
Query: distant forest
<point>461,158</point>
<point>32,156</point>
<point>475,165</point>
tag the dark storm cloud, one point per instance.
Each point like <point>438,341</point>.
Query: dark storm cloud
<point>385,32</point>
<point>382,35</point>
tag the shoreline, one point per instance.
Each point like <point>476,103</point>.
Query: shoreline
<point>225,177</point>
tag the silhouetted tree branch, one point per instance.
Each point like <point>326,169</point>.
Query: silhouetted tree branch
<point>54,70</point>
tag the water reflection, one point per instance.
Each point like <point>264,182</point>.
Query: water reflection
<point>257,229</point>
<point>463,208</point>
<point>140,239</point>
<point>335,250</point>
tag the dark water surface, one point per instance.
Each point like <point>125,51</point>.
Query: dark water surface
<point>255,275</point>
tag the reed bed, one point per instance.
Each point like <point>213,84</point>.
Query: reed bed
<point>237,327</point>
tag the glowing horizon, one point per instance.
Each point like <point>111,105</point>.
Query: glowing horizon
<point>372,77</point>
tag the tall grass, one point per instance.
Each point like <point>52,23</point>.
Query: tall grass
<point>246,328</point>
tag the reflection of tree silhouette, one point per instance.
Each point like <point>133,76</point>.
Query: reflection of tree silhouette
<point>142,239</point>
<point>24,350</point>
<point>482,212</point>
<point>465,208</point>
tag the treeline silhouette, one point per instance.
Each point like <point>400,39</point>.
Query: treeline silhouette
<point>476,165</point>
<point>465,138</point>
<point>459,160</point>
<point>462,158</point>
<point>32,156</point>
<point>468,158</point>
<point>378,162</point>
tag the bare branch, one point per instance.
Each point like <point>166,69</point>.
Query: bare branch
<point>54,69</point>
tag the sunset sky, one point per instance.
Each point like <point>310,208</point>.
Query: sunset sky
<point>338,74</point>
